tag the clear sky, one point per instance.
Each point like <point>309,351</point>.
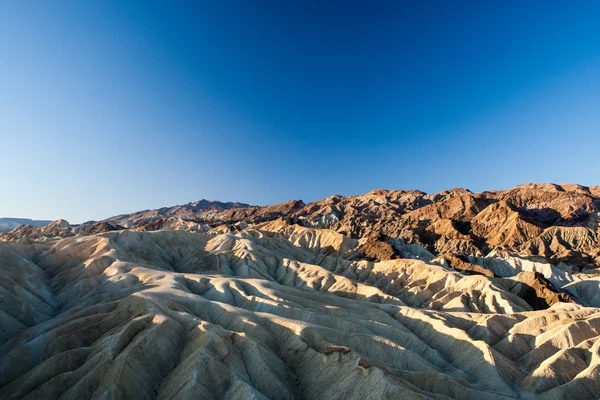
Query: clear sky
<point>111,107</point>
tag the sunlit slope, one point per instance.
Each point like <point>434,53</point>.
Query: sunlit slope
<point>284,314</point>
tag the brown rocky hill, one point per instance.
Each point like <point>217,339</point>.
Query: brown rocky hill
<point>557,223</point>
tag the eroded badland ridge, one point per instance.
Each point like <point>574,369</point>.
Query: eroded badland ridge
<point>391,294</point>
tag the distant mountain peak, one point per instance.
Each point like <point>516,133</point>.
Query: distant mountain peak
<point>9,223</point>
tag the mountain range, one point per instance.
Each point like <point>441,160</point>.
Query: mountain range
<point>390,294</point>
<point>7,224</point>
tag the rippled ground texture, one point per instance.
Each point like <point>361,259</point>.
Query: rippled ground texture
<point>281,311</point>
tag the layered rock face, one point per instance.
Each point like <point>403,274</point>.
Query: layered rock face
<point>386,295</point>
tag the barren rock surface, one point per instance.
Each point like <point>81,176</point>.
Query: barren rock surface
<point>392,294</point>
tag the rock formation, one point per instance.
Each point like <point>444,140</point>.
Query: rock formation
<point>392,294</point>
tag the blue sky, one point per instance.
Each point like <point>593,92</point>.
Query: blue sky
<point>112,107</point>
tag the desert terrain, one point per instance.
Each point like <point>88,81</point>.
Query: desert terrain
<point>390,294</point>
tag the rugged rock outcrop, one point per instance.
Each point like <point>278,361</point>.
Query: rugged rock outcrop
<point>558,223</point>
<point>537,291</point>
